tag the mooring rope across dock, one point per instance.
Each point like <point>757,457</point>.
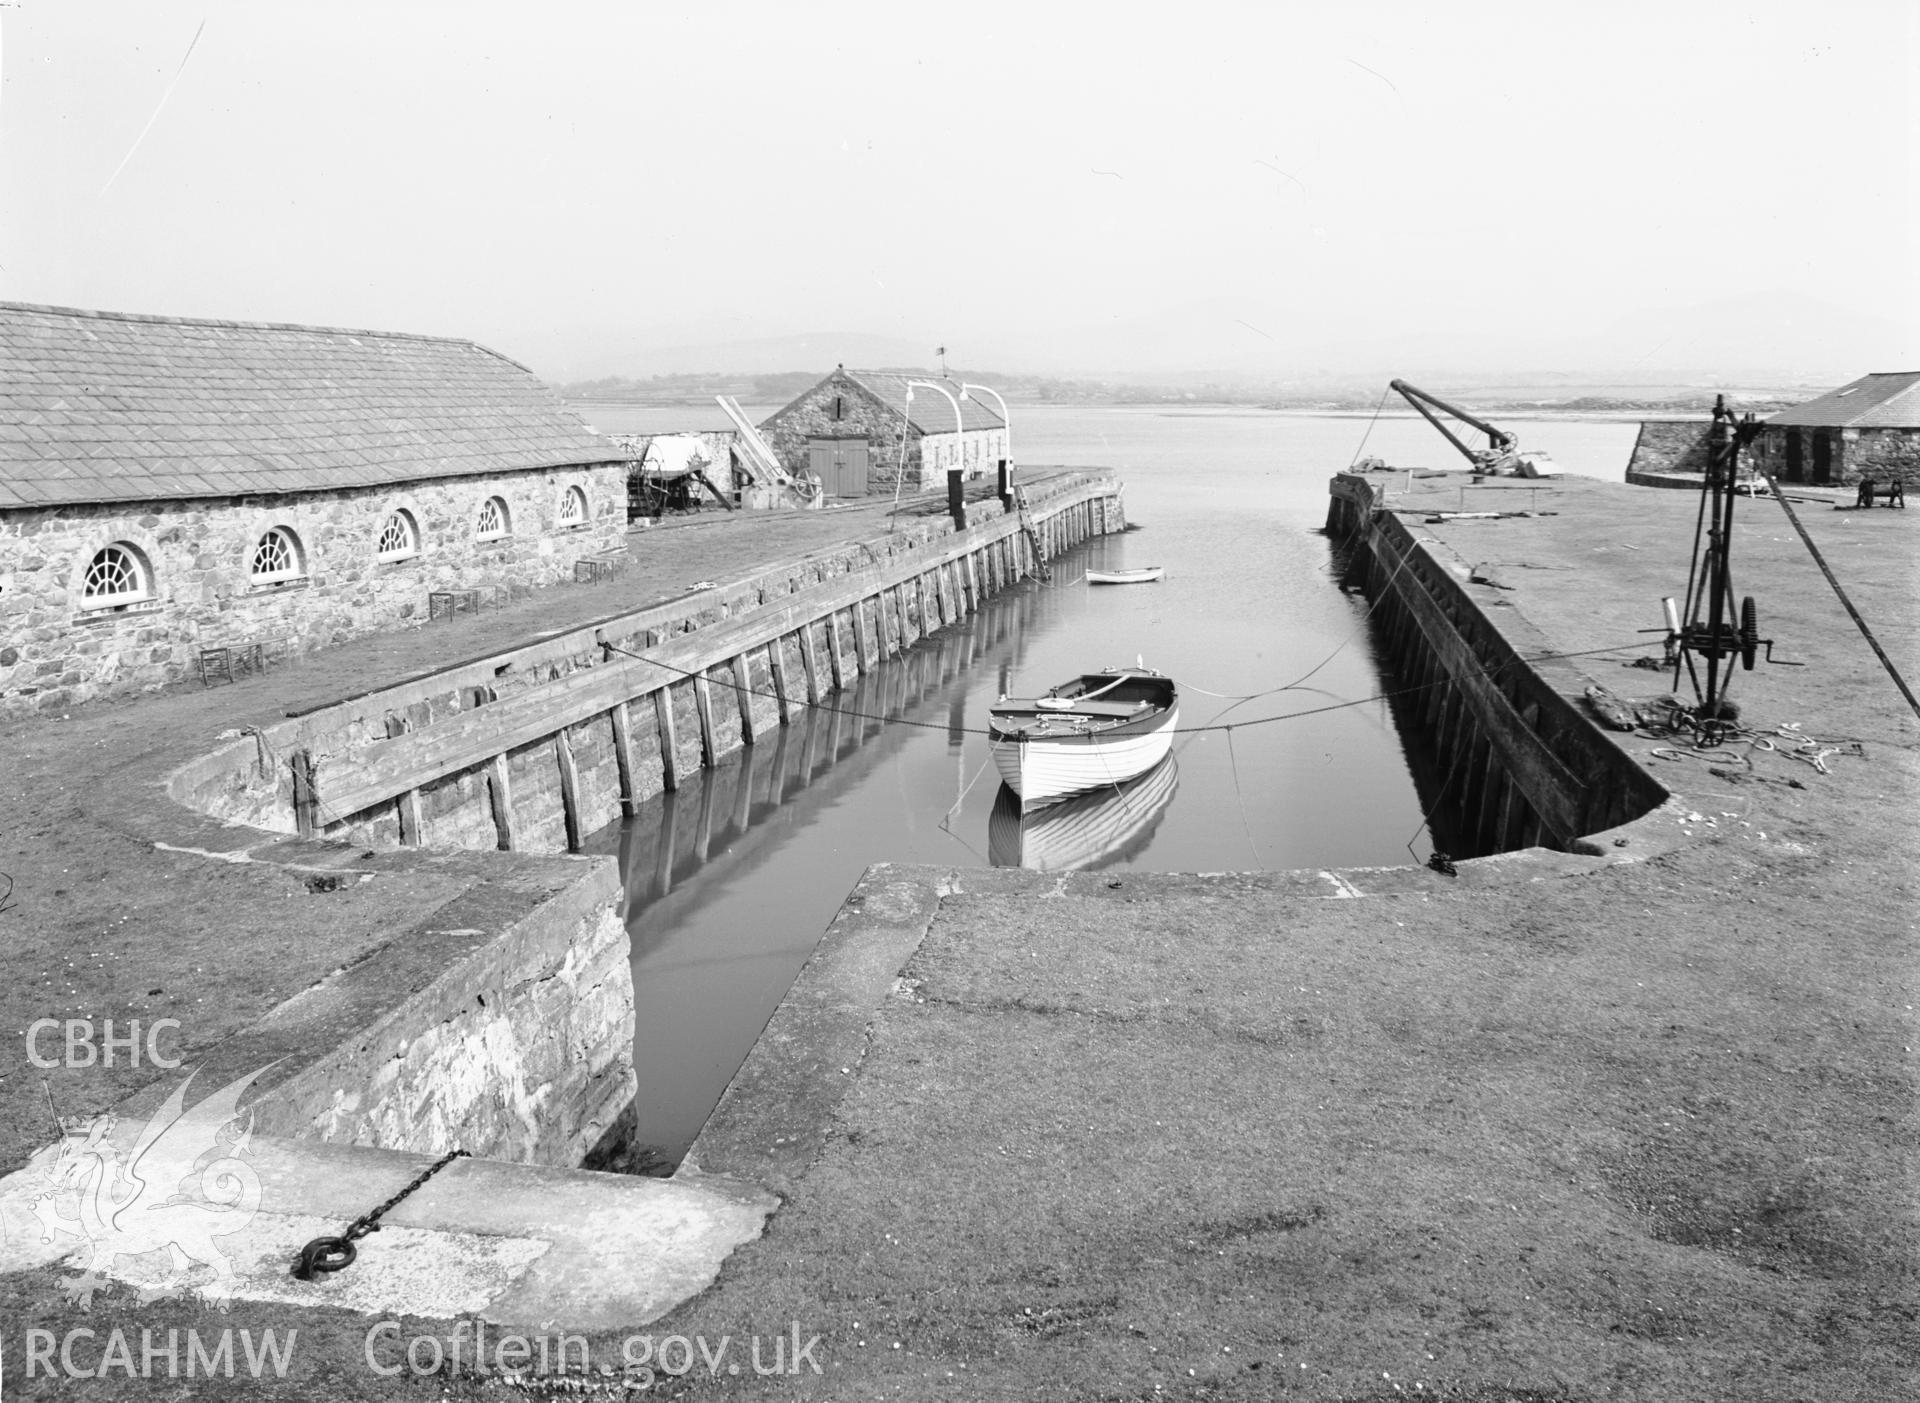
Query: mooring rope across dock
<point>943,726</point>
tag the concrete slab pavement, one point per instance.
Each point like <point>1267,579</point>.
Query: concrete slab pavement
<point>517,1245</point>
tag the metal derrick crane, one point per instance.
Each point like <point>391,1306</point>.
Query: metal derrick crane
<point>1503,452</point>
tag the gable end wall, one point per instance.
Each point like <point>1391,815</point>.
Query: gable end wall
<point>862,415</point>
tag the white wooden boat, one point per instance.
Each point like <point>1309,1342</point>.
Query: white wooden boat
<point>1096,731</point>
<point>1085,832</point>
<point>1144,576</point>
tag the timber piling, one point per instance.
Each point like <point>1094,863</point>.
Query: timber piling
<point>537,748</point>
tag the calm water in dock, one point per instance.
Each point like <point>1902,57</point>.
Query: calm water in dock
<point>731,880</point>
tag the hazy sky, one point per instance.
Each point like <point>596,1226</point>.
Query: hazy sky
<point>571,182</point>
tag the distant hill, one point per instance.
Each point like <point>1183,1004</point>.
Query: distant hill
<point>767,355</point>
<point>1770,338</point>
<point>1229,350</point>
<point>1585,397</point>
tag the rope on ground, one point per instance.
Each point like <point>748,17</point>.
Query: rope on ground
<point>1716,740</point>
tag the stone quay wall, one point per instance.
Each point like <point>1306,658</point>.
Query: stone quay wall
<point>534,749</point>
<point>1522,763</point>
<point>199,588</point>
<point>520,1049</point>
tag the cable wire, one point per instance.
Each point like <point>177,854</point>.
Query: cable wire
<point>1370,423</point>
<point>1233,765</point>
<point>1853,613</point>
<point>1211,726</point>
<point>1358,627</point>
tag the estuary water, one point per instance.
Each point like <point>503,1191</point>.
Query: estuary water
<point>731,880</point>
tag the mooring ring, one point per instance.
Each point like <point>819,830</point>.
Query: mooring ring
<point>324,1254</point>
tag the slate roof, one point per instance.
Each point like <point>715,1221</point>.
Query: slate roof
<point>930,411</point>
<point>112,407</point>
<point>1884,400</point>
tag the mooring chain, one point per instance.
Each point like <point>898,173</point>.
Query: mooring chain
<point>326,1254</point>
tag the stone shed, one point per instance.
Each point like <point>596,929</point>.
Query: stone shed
<point>170,486</point>
<point>1869,428</point>
<point>858,430</point>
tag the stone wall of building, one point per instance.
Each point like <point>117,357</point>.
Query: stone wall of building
<point>198,587</point>
<point>1881,454</point>
<point>1885,455</point>
<point>1667,446</point>
<point>1769,450</point>
<point>939,452</point>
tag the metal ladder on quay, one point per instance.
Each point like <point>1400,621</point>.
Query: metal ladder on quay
<point>1041,570</point>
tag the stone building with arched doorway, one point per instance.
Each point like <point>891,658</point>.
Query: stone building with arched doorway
<point>171,485</point>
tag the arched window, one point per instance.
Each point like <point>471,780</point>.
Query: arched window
<point>277,558</point>
<point>399,538</point>
<point>493,522</point>
<point>573,508</point>
<point>116,577</point>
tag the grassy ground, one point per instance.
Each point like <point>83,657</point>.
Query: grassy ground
<point>1194,1140</point>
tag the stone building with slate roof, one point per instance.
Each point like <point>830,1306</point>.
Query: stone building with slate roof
<point>856,430</point>
<point>170,485</point>
<point>1867,429</point>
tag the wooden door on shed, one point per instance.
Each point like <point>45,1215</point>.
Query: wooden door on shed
<point>1796,457</point>
<point>840,464</point>
<point>1822,456</point>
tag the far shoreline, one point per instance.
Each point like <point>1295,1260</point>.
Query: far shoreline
<point>1688,409</point>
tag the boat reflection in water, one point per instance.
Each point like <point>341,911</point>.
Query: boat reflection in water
<point>1109,825</point>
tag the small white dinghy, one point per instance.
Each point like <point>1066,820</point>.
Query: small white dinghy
<point>1145,576</point>
<point>1100,729</point>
